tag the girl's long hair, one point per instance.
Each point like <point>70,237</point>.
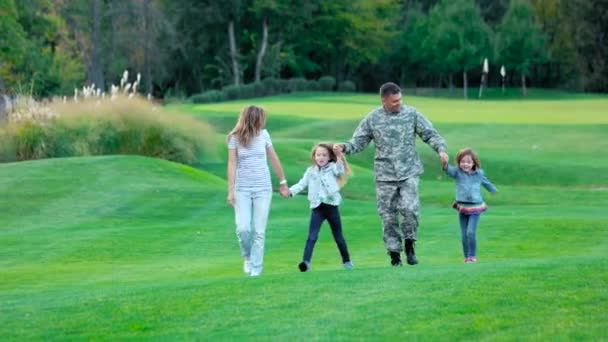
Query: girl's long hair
<point>342,179</point>
<point>468,152</point>
<point>251,121</point>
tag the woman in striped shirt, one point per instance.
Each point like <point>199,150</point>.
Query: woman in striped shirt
<point>249,184</point>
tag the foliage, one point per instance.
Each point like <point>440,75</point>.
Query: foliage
<point>208,96</point>
<point>347,86</point>
<point>520,41</point>
<point>327,83</point>
<point>120,126</point>
<point>182,47</point>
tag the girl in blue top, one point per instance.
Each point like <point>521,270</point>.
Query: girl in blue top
<point>324,179</point>
<point>469,178</point>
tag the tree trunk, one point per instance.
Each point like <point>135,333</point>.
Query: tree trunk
<point>262,52</point>
<point>465,84</point>
<point>234,54</point>
<point>482,84</point>
<point>147,67</point>
<point>451,80</point>
<point>524,92</point>
<point>95,64</point>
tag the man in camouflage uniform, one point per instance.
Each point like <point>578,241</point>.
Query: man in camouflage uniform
<point>397,167</point>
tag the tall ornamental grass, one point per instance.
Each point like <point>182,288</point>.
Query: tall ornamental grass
<point>102,127</point>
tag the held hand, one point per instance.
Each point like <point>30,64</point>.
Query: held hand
<point>444,159</point>
<point>338,149</point>
<point>231,199</point>
<point>284,190</point>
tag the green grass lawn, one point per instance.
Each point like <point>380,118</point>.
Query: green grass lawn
<point>122,247</point>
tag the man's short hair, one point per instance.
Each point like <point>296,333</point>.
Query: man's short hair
<point>389,88</point>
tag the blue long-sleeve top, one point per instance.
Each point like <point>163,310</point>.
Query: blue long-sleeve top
<point>322,183</point>
<point>468,185</point>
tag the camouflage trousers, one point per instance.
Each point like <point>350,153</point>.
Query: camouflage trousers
<point>397,200</point>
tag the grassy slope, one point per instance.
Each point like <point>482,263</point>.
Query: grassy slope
<point>117,247</point>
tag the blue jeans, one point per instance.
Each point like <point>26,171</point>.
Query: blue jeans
<point>468,231</point>
<point>332,215</point>
<point>251,210</point>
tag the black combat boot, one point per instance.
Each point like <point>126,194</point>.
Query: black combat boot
<point>395,258</point>
<point>409,252</point>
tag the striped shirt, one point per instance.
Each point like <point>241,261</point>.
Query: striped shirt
<point>252,173</point>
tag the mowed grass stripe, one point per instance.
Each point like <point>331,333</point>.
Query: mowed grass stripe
<point>581,111</point>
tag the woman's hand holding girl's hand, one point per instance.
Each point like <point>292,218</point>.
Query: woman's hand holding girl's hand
<point>284,190</point>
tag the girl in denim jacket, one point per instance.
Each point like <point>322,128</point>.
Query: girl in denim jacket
<point>469,203</point>
<point>324,179</point>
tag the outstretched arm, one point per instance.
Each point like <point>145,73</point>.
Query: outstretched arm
<point>278,169</point>
<point>300,185</point>
<point>485,182</point>
<point>431,137</point>
<point>362,136</point>
<point>450,170</point>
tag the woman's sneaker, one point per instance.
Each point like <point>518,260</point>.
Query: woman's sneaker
<point>348,265</point>
<point>247,266</point>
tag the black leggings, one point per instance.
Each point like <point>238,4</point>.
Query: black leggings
<point>332,215</point>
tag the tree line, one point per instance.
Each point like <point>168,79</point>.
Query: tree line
<point>186,47</point>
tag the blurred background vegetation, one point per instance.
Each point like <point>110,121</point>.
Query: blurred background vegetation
<point>199,47</point>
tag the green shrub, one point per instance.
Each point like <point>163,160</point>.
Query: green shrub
<point>347,86</point>
<point>296,84</point>
<point>312,85</point>
<point>259,89</point>
<point>327,83</point>
<point>284,85</point>
<point>272,86</point>
<point>247,91</point>
<point>232,92</point>
<point>122,126</point>
<point>208,97</point>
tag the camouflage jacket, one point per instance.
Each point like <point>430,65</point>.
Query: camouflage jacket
<point>394,136</point>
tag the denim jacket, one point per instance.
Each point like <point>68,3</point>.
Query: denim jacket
<point>322,183</point>
<point>468,185</point>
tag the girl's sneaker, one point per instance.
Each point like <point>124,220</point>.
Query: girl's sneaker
<point>304,266</point>
<point>348,265</point>
<point>472,259</point>
<point>467,260</point>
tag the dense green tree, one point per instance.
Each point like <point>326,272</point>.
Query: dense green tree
<point>414,57</point>
<point>460,37</point>
<point>50,63</point>
<point>589,32</point>
<point>520,44</point>
<point>12,42</point>
<point>345,34</point>
<point>181,47</point>
<point>492,11</point>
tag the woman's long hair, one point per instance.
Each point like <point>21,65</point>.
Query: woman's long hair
<point>342,179</point>
<point>251,121</point>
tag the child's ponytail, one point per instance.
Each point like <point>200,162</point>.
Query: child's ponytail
<point>343,178</point>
